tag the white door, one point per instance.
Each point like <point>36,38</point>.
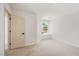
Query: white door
<point>17,32</point>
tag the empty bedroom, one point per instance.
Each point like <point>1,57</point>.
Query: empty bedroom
<point>40,29</point>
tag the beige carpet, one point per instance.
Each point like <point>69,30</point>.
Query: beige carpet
<point>45,48</point>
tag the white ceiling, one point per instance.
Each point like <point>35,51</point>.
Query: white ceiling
<point>45,7</point>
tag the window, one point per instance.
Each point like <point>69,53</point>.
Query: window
<point>45,24</point>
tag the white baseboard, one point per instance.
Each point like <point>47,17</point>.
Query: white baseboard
<point>32,43</point>
<point>67,43</point>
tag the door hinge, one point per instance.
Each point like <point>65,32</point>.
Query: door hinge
<point>9,43</point>
<point>10,18</point>
<point>10,31</point>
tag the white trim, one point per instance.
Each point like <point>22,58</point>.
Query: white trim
<point>7,7</point>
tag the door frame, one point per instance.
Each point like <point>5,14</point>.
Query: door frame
<point>9,33</point>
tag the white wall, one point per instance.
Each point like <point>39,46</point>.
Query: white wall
<point>66,29</point>
<point>30,26</point>
<point>1,29</point>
